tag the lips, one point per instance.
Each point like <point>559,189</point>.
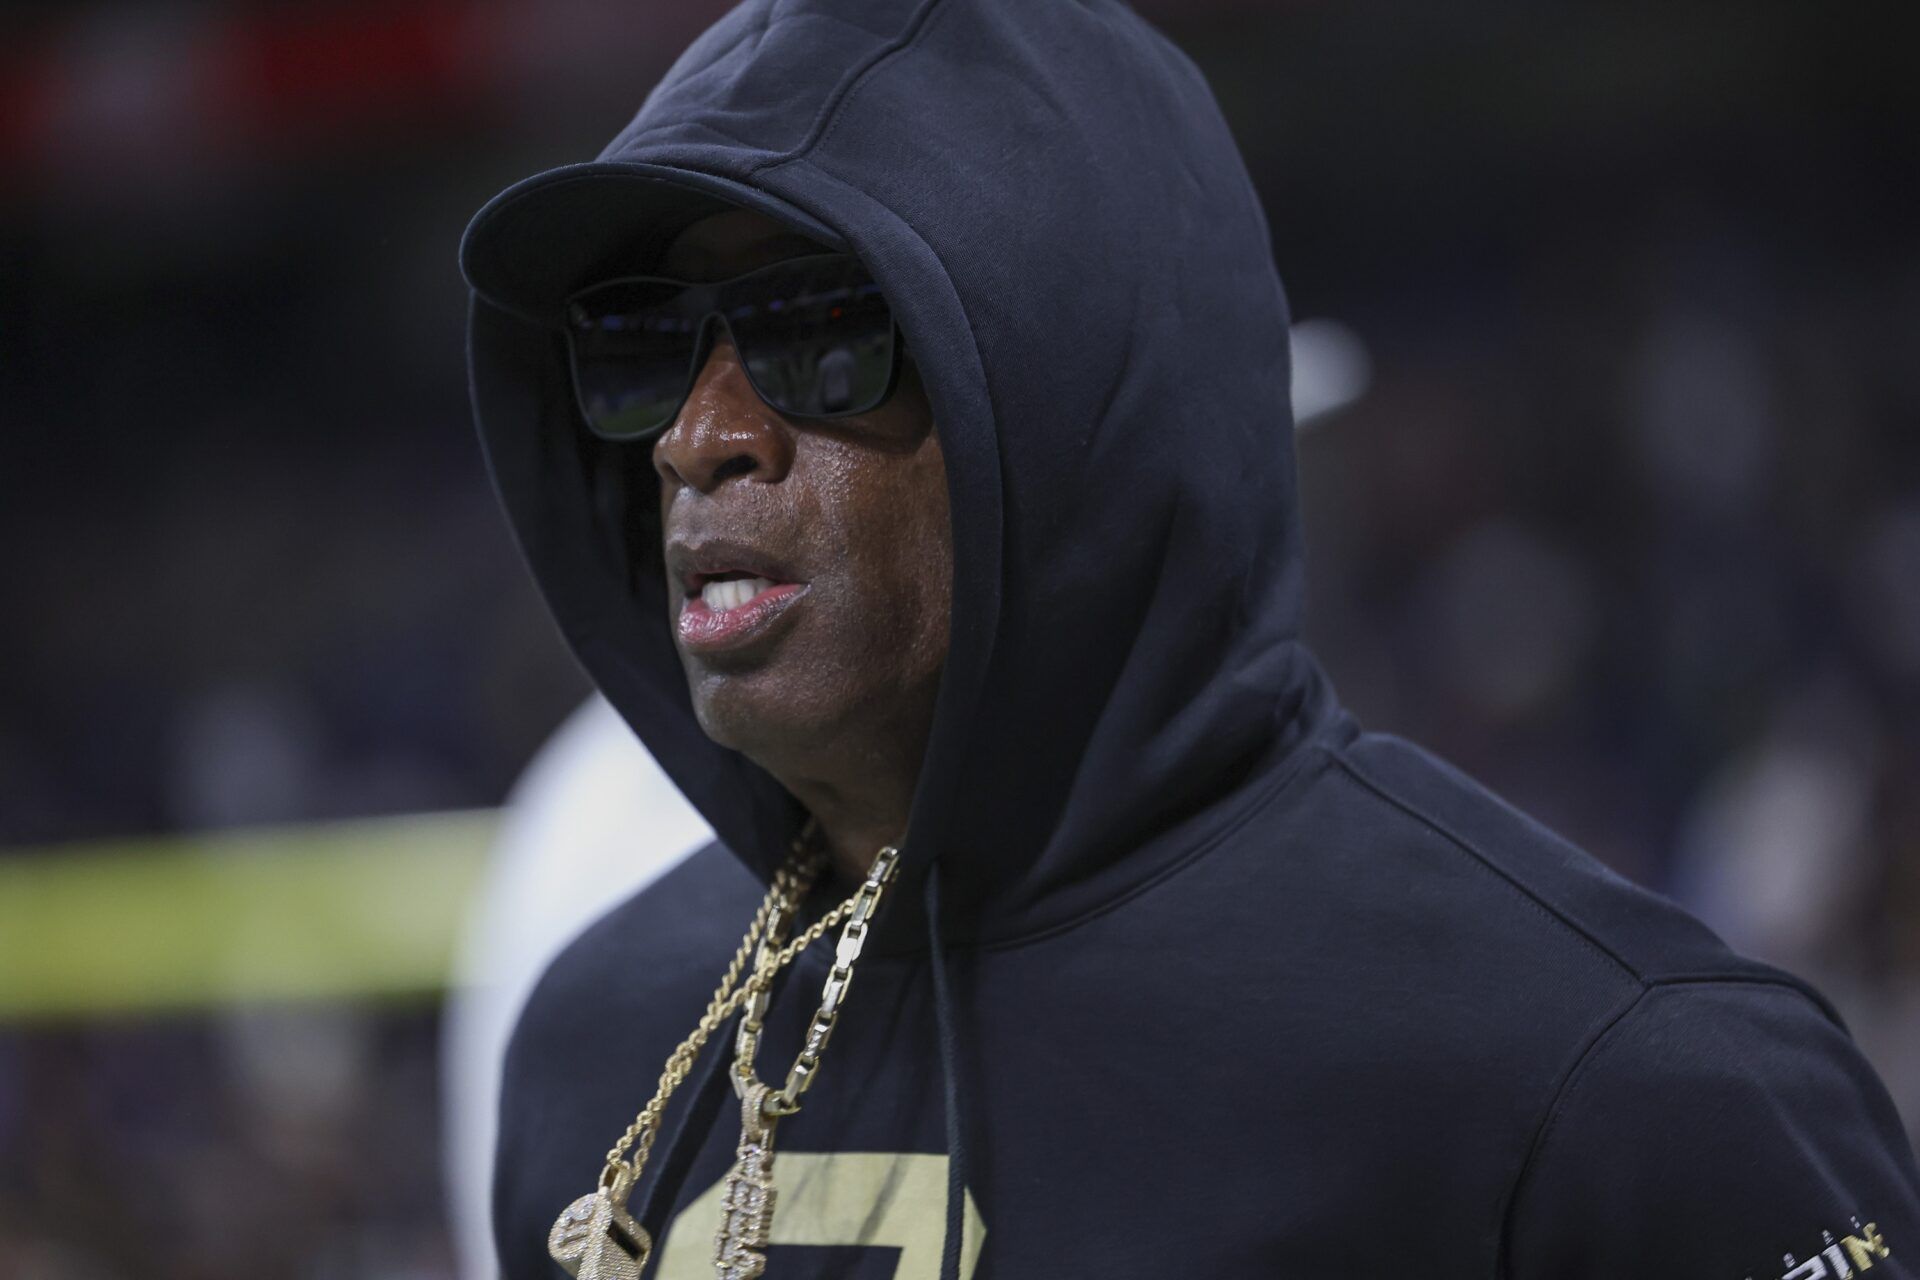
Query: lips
<point>728,614</point>
<point>733,594</point>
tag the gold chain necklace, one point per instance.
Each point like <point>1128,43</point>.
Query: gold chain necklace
<point>746,1206</point>
<point>595,1237</point>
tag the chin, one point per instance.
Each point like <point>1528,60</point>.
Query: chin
<point>760,714</point>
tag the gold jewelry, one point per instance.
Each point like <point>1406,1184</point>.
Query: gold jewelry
<point>746,1209</point>
<point>746,1206</point>
<point>595,1238</point>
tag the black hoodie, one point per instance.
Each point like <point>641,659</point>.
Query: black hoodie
<point>1188,976</point>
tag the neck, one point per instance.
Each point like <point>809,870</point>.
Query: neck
<point>858,813</point>
<point>857,781</point>
<point>853,840</point>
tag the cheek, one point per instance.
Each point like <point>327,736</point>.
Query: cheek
<point>923,565</point>
<point>893,527</point>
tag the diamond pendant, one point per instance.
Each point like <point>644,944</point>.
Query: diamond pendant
<point>595,1238</point>
<point>746,1207</point>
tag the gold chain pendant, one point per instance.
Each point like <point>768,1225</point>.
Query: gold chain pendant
<point>746,1207</point>
<point>595,1238</point>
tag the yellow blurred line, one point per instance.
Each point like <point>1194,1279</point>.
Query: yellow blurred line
<point>344,909</point>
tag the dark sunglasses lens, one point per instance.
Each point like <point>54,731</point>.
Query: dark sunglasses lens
<point>817,337</point>
<point>632,356</point>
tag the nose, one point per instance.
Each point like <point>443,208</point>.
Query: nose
<point>724,430</point>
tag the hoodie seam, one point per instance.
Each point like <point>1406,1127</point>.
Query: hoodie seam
<point>826,117</point>
<point>1549,1117</point>
<point>1460,842</point>
<point>1584,1063</point>
<point>830,112</point>
<point>1784,980</point>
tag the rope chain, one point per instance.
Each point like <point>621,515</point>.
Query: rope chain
<point>784,895</point>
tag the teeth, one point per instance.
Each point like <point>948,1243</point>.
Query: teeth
<point>731,594</point>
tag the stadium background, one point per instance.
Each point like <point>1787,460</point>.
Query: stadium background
<point>1627,524</point>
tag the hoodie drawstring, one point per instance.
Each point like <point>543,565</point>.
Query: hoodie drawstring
<point>950,1081</point>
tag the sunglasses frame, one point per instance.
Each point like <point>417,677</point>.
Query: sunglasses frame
<point>708,292</point>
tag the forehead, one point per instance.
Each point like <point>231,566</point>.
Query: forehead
<point>727,244</point>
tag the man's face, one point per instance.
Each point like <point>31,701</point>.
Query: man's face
<point>840,526</point>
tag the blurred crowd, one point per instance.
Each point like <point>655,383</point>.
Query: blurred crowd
<point>1627,524</point>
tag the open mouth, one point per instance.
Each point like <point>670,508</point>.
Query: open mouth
<point>731,607</point>
<point>723,591</point>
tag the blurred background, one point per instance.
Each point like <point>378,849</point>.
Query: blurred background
<point>1612,493</point>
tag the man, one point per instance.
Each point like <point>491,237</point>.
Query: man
<point>996,560</point>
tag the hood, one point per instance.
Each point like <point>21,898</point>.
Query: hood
<point>1053,204</point>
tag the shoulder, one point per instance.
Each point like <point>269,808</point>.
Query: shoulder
<point>1716,1128</point>
<point>1691,1111</point>
<point>1439,815</point>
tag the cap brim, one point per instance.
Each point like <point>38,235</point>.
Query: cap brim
<point>540,241</point>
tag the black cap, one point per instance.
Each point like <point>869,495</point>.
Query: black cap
<point>538,242</point>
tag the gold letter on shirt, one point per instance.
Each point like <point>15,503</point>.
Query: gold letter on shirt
<point>875,1198</point>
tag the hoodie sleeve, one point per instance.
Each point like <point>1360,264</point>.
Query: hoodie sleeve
<point>1719,1131</point>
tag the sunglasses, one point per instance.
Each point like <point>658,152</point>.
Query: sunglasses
<point>815,335</point>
